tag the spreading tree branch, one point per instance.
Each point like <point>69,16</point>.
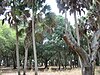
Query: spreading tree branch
<point>70,40</point>
<point>95,44</point>
<point>76,48</point>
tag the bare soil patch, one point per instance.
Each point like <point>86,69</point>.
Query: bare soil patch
<point>76,71</point>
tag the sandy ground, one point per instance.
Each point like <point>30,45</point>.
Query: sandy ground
<point>49,72</point>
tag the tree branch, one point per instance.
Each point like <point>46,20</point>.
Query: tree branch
<point>76,48</point>
<point>98,2</point>
<point>95,44</point>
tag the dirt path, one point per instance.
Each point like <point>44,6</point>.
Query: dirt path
<point>72,72</point>
<point>67,72</point>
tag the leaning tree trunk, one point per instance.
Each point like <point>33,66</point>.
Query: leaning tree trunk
<point>17,51</point>
<point>88,63</point>
<point>86,70</point>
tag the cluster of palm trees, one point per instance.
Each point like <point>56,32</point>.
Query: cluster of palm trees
<point>18,14</point>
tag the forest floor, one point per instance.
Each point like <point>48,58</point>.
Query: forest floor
<point>76,71</point>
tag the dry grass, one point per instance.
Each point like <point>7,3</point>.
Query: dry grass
<point>49,72</point>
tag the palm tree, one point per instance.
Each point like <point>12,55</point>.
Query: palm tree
<point>30,36</point>
<point>15,24</point>
<point>17,51</point>
<point>14,21</point>
<point>34,46</point>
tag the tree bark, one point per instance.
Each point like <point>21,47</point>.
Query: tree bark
<point>59,61</point>
<point>16,28</point>
<point>90,70</point>
<point>34,46</point>
<point>88,63</point>
<point>65,64</point>
<point>46,64</point>
<point>25,61</point>
<point>77,36</point>
<point>7,61</point>
<point>97,60</point>
<point>99,57</point>
<point>14,59</point>
<point>30,64</point>
<point>14,63</point>
<point>87,66</point>
<point>0,61</point>
<point>59,67</point>
<point>17,51</point>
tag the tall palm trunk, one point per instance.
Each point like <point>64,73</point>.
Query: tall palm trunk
<point>25,61</point>
<point>34,46</point>
<point>17,51</point>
